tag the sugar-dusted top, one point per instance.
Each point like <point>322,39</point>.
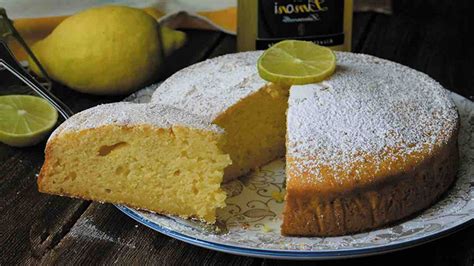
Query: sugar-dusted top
<point>210,87</point>
<point>131,114</point>
<point>368,106</point>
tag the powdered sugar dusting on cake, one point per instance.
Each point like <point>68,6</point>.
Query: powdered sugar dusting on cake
<point>368,106</point>
<point>131,114</point>
<point>210,87</point>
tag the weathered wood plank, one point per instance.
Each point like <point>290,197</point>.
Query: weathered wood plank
<point>104,235</point>
<point>30,222</point>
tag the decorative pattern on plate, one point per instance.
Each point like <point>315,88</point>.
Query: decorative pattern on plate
<point>253,216</point>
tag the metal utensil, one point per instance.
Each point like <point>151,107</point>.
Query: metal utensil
<point>9,62</point>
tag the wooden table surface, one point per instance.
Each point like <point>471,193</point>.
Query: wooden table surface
<point>37,228</point>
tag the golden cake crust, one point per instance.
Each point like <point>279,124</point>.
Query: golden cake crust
<point>354,207</point>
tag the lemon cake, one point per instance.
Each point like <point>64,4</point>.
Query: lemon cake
<point>373,144</point>
<point>150,157</point>
<point>227,91</point>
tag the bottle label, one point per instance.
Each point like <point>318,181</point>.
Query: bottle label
<point>320,21</point>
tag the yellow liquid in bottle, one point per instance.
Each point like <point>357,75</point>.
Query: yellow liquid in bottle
<point>264,22</point>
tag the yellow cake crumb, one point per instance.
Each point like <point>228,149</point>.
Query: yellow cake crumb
<point>266,228</point>
<point>255,129</point>
<point>175,170</point>
<point>278,196</point>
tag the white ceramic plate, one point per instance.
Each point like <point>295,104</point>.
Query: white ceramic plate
<point>253,214</point>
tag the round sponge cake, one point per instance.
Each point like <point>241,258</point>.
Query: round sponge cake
<point>374,143</point>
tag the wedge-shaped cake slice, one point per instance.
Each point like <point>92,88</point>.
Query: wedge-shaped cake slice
<point>227,91</point>
<point>151,157</point>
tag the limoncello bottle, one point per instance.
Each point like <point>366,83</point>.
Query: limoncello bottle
<point>262,23</point>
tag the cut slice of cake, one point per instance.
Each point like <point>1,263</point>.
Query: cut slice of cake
<point>374,143</point>
<point>150,157</point>
<point>228,92</point>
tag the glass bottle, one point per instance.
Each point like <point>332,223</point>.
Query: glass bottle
<point>262,23</point>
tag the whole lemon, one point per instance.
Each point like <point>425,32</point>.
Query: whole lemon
<point>105,50</point>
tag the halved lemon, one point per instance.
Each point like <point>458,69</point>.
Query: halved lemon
<point>25,120</point>
<point>294,62</point>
